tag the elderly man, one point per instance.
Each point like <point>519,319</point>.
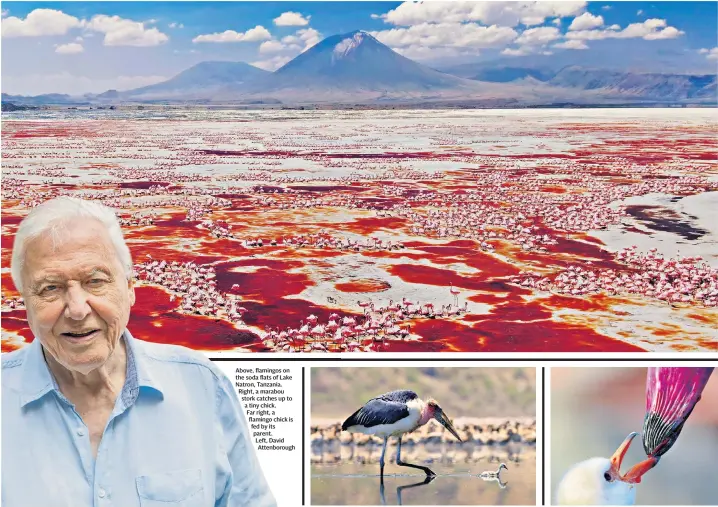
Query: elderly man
<point>94,417</point>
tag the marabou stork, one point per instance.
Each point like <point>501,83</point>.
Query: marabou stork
<point>394,414</point>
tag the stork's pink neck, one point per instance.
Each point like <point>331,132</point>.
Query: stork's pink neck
<point>427,413</point>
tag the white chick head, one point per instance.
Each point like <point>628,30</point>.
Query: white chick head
<point>598,481</point>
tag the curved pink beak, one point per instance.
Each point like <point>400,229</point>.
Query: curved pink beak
<point>633,476</point>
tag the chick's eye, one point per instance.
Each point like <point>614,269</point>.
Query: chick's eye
<point>607,476</point>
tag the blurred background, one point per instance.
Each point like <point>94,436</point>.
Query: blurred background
<point>493,410</point>
<point>469,392</point>
<point>594,409</point>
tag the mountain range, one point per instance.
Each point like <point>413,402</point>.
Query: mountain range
<point>356,68</point>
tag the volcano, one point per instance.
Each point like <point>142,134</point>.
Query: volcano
<point>358,61</point>
<point>201,81</point>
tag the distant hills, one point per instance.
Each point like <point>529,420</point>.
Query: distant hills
<point>646,86</point>
<point>356,68</point>
<point>202,81</point>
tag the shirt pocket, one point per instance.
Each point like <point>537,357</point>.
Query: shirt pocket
<point>180,488</point>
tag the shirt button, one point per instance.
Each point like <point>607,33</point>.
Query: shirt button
<point>101,493</point>
<point>80,432</point>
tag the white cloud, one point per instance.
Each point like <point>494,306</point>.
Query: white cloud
<point>39,22</point>
<point>6,13</point>
<point>538,36</point>
<point>64,82</point>
<point>309,36</point>
<point>557,21</point>
<point>290,18</point>
<point>614,27</point>
<point>651,29</point>
<point>489,13</point>
<point>125,32</point>
<point>69,49</point>
<point>290,39</point>
<point>271,46</point>
<point>458,35</point>
<point>640,12</point>
<point>571,44</point>
<point>79,39</point>
<point>273,63</point>
<point>118,31</point>
<point>586,21</point>
<point>516,52</point>
<point>669,32</point>
<point>302,40</point>
<point>291,45</point>
<point>652,23</point>
<point>606,8</point>
<point>176,25</point>
<point>711,54</point>
<point>256,34</point>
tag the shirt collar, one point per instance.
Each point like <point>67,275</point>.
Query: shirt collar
<point>37,380</point>
<point>138,372</point>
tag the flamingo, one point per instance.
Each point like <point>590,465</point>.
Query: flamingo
<point>454,292</point>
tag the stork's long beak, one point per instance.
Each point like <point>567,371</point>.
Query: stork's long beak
<point>633,476</point>
<point>440,416</point>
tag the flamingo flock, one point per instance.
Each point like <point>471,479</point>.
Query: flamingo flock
<point>676,280</point>
<point>471,431</point>
<point>365,333</point>
<point>195,286</point>
<point>370,201</point>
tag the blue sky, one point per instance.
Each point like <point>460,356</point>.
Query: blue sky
<point>80,47</point>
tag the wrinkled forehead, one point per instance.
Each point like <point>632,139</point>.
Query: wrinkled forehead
<point>81,241</point>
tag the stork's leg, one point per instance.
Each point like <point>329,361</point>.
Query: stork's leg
<point>426,470</point>
<point>381,460</point>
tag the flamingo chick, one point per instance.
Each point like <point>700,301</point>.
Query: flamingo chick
<point>492,475</point>
<point>598,481</point>
<point>394,414</point>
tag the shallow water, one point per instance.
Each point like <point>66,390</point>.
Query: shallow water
<point>455,484</point>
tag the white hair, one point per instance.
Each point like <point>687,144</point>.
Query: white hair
<point>52,216</point>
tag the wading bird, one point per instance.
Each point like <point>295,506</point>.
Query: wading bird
<point>394,414</point>
<point>598,481</point>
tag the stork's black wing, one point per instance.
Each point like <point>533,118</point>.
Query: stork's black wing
<point>385,409</point>
<point>401,396</point>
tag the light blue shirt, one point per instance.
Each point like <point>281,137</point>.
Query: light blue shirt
<point>177,437</point>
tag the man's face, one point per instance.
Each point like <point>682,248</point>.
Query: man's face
<point>77,295</point>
